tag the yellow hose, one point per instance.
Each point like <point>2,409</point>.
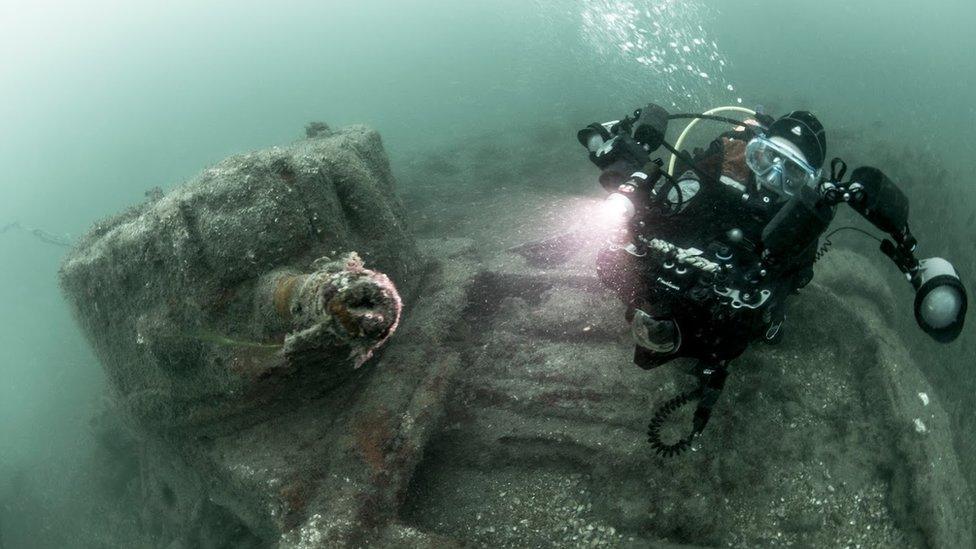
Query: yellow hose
<point>693,123</point>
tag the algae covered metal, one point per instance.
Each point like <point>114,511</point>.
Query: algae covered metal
<point>233,317</point>
<point>210,299</point>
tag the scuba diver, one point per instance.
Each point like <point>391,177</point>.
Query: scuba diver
<point>705,253</point>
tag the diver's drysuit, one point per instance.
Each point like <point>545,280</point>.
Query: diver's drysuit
<point>705,260</point>
<point>724,219</point>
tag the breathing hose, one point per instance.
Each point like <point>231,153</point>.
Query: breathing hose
<point>691,125</point>
<point>711,379</point>
<point>661,415</point>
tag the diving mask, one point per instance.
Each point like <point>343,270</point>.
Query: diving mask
<point>779,166</point>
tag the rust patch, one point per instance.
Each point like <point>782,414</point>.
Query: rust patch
<point>284,288</point>
<point>374,437</point>
<point>222,299</point>
<point>295,496</point>
<point>252,364</point>
<point>341,313</point>
<point>284,169</point>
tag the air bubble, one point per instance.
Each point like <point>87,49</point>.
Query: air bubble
<point>662,38</point>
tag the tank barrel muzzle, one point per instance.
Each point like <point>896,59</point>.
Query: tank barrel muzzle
<point>340,303</point>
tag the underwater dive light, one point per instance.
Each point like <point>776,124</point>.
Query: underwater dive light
<point>623,203</point>
<point>940,299</point>
<point>617,208</point>
<point>593,136</point>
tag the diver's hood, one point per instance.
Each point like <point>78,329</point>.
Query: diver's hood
<point>805,131</point>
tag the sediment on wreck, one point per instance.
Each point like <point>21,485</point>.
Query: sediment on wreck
<point>503,410</point>
<point>171,293</point>
<point>247,322</point>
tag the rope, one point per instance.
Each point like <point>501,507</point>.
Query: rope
<point>40,234</point>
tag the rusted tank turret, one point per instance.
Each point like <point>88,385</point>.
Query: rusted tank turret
<point>215,298</point>
<point>235,318</point>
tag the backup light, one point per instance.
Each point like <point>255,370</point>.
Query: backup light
<point>940,299</point>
